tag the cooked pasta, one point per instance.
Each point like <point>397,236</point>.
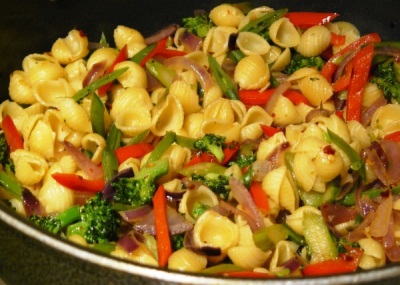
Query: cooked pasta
<point>268,147</point>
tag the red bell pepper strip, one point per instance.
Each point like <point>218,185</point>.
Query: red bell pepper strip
<point>306,20</point>
<point>122,56</point>
<point>255,97</point>
<point>362,66</point>
<point>201,157</point>
<point>269,131</point>
<point>13,137</point>
<point>164,247</point>
<point>229,151</point>
<point>132,151</point>
<point>78,183</point>
<point>343,82</point>
<point>259,197</point>
<point>393,137</point>
<point>247,274</point>
<point>345,263</point>
<point>330,66</point>
<point>337,40</point>
<point>161,50</point>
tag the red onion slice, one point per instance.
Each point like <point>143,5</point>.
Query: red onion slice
<point>380,224</point>
<point>162,34</point>
<point>191,41</point>
<point>92,170</point>
<point>181,62</point>
<point>128,242</point>
<point>31,203</point>
<point>135,215</point>
<point>94,73</point>
<point>285,85</point>
<point>242,195</point>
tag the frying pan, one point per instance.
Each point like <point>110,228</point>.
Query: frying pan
<point>31,256</point>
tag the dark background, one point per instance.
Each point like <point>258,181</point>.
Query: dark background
<point>32,26</point>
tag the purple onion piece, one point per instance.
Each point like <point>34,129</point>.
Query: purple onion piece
<point>134,215</point>
<point>292,264</point>
<point>128,242</point>
<point>31,203</point>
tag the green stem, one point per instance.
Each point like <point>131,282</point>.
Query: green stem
<point>11,185</point>
<point>110,164</point>
<point>97,115</point>
<point>161,147</point>
<point>161,72</point>
<point>113,140</point>
<point>226,84</point>
<point>139,56</point>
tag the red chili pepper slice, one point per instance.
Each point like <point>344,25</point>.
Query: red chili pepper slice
<point>306,20</point>
<point>161,50</point>
<point>13,137</point>
<point>255,97</point>
<point>132,151</point>
<point>269,131</point>
<point>78,183</point>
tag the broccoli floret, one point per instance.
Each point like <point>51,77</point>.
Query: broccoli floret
<point>56,223</point>
<point>218,183</point>
<point>99,222</point>
<point>246,156</point>
<point>213,144</point>
<point>139,190</point>
<point>298,61</point>
<point>198,25</point>
<point>198,209</point>
<point>385,77</point>
<point>177,241</point>
<point>5,160</point>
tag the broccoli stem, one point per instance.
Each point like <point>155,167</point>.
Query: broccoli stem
<point>153,170</point>
<point>11,185</point>
<point>67,217</point>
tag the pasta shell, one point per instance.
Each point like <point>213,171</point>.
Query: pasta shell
<point>248,258</point>
<point>316,89</point>
<point>74,115</point>
<point>192,124</point>
<point>284,251</point>
<point>371,93</point>
<point>231,131</point>
<point>135,76</point>
<point>314,41</point>
<point>105,54</point>
<point>186,260</point>
<point>284,34</point>
<point>49,92</point>
<point>295,220</point>
<point>282,61</point>
<point>133,121</point>
<point>54,119</point>
<point>251,43</point>
<point>30,167</point>
<point>129,99</point>
<point>127,36</point>
<point>386,119</point>
<point>74,46</point>
<point>20,88</point>
<point>348,30</point>
<point>202,194</point>
<point>272,182</point>
<point>374,255</point>
<point>168,117</point>
<point>75,74</point>
<point>41,140</point>
<point>266,147</point>
<point>284,112</point>
<point>304,170</point>
<point>226,15</point>
<point>95,144</point>
<point>252,72</point>
<point>254,14</point>
<point>45,70</point>
<point>186,95</point>
<point>15,111</point>
<point>220,109</point>
<point>216,41</point>
<point>215,230</point>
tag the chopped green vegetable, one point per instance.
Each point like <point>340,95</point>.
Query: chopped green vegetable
<point>212,143</point>
<point>198,209</point>
<point>218,183</point>
<point>298,61</point>
<point>163,74</point>
<point>97,115</point>
<point>55,224</point>
<point>198,25</point>
<point>226,84</point>
<point>387,77</point>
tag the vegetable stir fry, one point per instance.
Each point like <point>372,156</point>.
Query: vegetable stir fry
<point>243,142</point>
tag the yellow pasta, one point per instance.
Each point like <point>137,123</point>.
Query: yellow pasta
<point>74,46</point>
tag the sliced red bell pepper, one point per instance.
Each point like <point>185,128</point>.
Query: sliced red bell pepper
<point>339,113</point>
<point>269,131</point>
<point>362,66</point>
<point>330,66</point>
<point>229,151</point>
<point>132,151</point>
<point>247,274</point>
<point>164,247</point>
<point>306,20</point>
<point>122,56</point>
<point>395,136</point>
<point>13,137</point>
<point>78,183</point>
<point>343,82</point>
<point>259,196</point>
<point>337,40</point>
<point>255,97</point>
<point>161,50</point>
<point>345,263</point>
<point>201,157</point>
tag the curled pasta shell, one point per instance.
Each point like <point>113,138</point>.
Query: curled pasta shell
<point>220,109</point>
<point>95,144</point>
<point>346,29</point>
<point>295,220</point>
<point>202,194</point>
<point>374,255</point>
<point>226,15</point>
<point>132,122</point>
<point>74,46</point>
<point>302,73</point>
<point>41,140</point>
<point>135,76</point>
<point>106,54</point>
<point>371,93</point>
<point>284,112</point>
<point>49,92</point>
<point>282,61</point>
<point>186,260</point>
<point>251,43</point>
<point>48,69</point>
<point>141,255</point>
<point>272,54</point>
<point>266,147</point>
<point>304,170</point>
<point>231,131</point>
<point>192,124</point>
<point>252,72</point>
<point>284,251</point>
<point>74,115</point>
<point>20,88</point>
<point>186,95</point>
<point>75,74</point>
<point>211,95</point>
<point>129,99</point>
<point>316,89</point>
<point>30,167</point>
<point>314,41</point>
<point>215,230</point>
<point>54,119</point>
<point>328,165</point>
<point>284,34</point>
<point>127,36</point>
<point>168,117</point>
<point>248,257</point>
<point>216,41</point>
<point>15,111</point>
<point>386,118</point>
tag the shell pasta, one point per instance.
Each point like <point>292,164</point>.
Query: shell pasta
<point>243,140</point>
